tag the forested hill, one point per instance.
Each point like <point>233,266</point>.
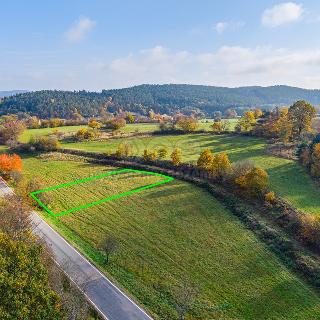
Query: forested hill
<point>161,98</point>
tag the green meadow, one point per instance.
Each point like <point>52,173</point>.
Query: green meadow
<point>176,233</point>
<point>287,177</point>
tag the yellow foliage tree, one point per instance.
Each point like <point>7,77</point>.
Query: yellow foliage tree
<point>216,127</point>
<point>205,159</point>
<point>176,156</point>
<point>255,182</point>
<point>221,166</point>
<point>258,113</point>
<point>246,122</point>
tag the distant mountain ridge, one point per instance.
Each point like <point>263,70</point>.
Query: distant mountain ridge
<point>11,93</point>
<point>168,98</point>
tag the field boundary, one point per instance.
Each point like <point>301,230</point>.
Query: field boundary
<point>113,197</point>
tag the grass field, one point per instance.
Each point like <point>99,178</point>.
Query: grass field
<point>287,178</point>
<point>129,128</point>
<point>176,232</point>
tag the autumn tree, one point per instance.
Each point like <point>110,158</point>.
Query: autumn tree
<point>247,122</point>
<point>221,166</point>
<point>257,113</point>
<point>124,150</point>
<point>205,160</point>
<point>216,127</point>
<point>116,124</point>
<point>9,164</point>
<point>11,130</point>
<point>162,153</point>
<point>300,115</point>
<point>130,118</point>
<point>188,124</point>
<point>176,157</point>
<point>94,124</point>
<point>42,143</point>
<point>25,292</point>
<point>315,161</point>
<point>230,113</point>
<point>255,182</point>
<point>149,155</point>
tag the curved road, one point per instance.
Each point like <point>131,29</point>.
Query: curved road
<point>108,299</point>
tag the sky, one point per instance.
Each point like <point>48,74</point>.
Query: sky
<point>103,44</point>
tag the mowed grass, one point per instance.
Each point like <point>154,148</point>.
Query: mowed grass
<point>27,134</point>
<point>176,232</point>
<point>287,177</point>
<point>129,128</point>
<point>118,182</point>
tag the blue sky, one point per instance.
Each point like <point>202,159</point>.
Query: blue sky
<point>97,44</point>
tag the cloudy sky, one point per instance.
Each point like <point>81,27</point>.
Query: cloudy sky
<point>101,44</point>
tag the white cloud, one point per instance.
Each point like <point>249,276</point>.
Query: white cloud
<point>281,14</point>
<point>79,30</point>
<point>227,66</point>
<point>221,26</point>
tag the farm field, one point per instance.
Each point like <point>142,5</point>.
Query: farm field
<point>131,127</point>
<point>176,232</point>
<point>287,178</point>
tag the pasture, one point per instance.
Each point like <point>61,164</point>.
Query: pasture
<point>175,233</point>
<point>287,177</point>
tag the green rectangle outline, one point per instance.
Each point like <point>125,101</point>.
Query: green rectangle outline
<point>116,196</point>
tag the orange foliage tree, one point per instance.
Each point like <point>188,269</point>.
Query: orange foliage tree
<point>10,163</point>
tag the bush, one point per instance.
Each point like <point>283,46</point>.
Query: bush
<point>87,134</point>
<point>123,150</point>
<point>188,124</point>
<point>44,143</point>
<point>116,124</point>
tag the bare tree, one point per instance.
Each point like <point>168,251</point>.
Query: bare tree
<point>109,246</point>
<point>184,297</point>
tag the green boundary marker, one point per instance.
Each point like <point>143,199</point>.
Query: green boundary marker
<point>116,196</point>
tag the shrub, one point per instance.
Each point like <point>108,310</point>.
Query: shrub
<point>123,150</point>
<point>94,124</point>
<point>116,124</point>
<point>187,124</point>
<point>44,143</point>
<point>176,156</point>
<point>87,134</point>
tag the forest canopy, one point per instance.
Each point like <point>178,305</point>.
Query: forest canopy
<point>169,99</point>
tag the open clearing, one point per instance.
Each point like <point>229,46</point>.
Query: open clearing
<point>176,232</point>
<point>287,177</point>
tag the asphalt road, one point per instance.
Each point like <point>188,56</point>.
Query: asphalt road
<point>108,299</point>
